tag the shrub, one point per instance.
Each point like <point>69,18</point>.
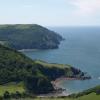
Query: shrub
<point>6,95</point>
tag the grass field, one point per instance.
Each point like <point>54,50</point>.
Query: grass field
<point>12,88</point>
<point>92,96</point>
<point>52,64</point>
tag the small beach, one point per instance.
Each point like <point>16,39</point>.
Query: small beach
<point>28,50</point>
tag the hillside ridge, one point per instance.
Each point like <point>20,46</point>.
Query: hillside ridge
<point>29,36</point>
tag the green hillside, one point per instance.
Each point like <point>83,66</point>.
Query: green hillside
<point>12,87</point>
<point>28,36</point>
<point>36,75</point>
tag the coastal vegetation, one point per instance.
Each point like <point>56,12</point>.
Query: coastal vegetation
<point>36,75</point>
<point>24,78</point>
<point>29,36</point>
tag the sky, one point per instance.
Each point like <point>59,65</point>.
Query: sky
<point>50,12</point>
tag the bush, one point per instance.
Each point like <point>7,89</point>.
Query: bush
<point>6,95</point>
<point>16,95</point>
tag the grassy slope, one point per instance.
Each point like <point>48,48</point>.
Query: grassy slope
<point>91,96</point>
<point>49,65</point>
<point>12,88</point>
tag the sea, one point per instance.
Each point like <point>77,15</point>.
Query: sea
<point>81,49</point>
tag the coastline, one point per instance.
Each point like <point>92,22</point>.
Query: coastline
<point>27,50</point>
<point>59,91</point>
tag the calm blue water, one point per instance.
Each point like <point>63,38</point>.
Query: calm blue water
<point>81,49</point>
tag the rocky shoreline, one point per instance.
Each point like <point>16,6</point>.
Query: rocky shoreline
<point>56,82</point>
<point>61,91</point>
